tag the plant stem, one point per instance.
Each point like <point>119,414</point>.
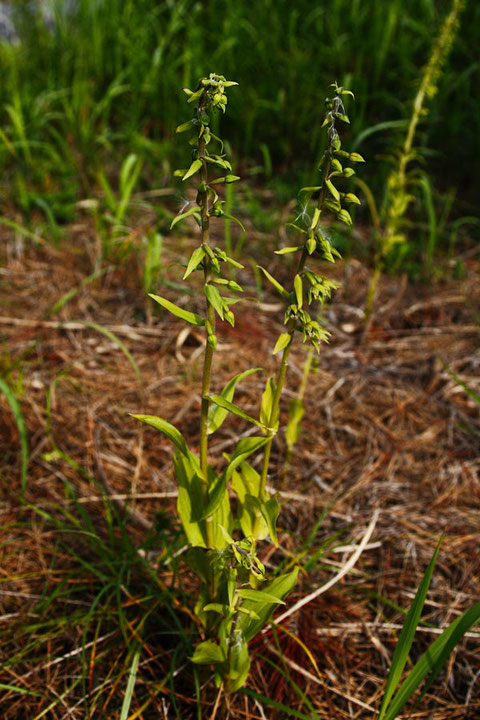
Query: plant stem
<point>208,357</point>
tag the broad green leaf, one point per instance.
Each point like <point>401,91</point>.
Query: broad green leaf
<point>295,415</point>
<point>284,293</point>
<point>402,649</point>
<point>217,490</point>
<point>195,260</point>
<point>221,517</point>
<point>208,652</point>
<point>246,484</point>
<point>189,317</point>
<point>166,429</point>
<point>194,167</point>
<point>214,298</point>
<point>239,662</point>
<point>333,189</point>
<point>267,404</point>
<point>286,250</point>
<point>259,596</point>
<point>244,448</point>
<point>279,588</point>
<point>282,342</point>
<point>190,500</point>
<point>298,286</point>
<point>232,408</point>
<point>270,511</point>
<point>217,414</point>
<point>432,660</point>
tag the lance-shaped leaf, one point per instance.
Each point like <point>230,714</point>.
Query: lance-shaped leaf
<point>190,499</point>
<point>296,411</point>
<point>267,405</point>
<point>167,429</point>
<point>259,596</point>
<point>286,250</point>
<point>194,167</point>
<point>402,649</point>
<point>246,484</point>
<point>189,317</point>
<point>216,492</point>
<point>234,409</point>
<point>239,662</point>
<point>282,342</point>
<point>270,511</point>
<point>298,287</point>
<point>244,448</point>
<point>216,413</point>
<point>284,293</point>
<point>214,298</point>
<point>191,211</point>
<point>333,189</point>
<point>279,588</point>
<point>195,260</point>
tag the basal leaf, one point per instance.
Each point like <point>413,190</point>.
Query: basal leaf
<point>279,588</point>
<point>190,500</point>
<point>259,596</point>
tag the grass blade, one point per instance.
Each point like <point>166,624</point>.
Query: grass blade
<point>17,413</point>
<point>405,640</point>
<point>127,700</point>
<point>432,660</point>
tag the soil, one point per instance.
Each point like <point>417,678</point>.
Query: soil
<point>389,446</point>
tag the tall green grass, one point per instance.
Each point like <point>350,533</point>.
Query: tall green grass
<point>104,82</point>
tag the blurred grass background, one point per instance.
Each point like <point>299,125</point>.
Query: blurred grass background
<point>102,78</point>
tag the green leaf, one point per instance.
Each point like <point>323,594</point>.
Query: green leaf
<point>286,250</point>
<point>189,317</point>
<point>259,596</point>
<point>226,216</point>
<point>432,660</point>
<point>185,126</point>
<point>216,607</point>
<point>296,411</point>
<point>246,484</point>
<point>214,298</point>
<point>402,649</point>
<point>182,216</point>
<point>282,342</point>
<point>216,492</point>
<point>132,676</point>
<point>193,95</point>
<point>333,190</point>
<point>190,499</point>
<point>195,260</point>
<point>270,511</point>
<point>208,652</point>
<point>194,167</point>
<point>298,286</point>
<point>284,293</point>
<point>232,408</point>
<point>244,448</point>
<point>216,413</point>
<point>279,588</point>
<point>267,404</point>
<point>170,431</point>
<point>239,662</point>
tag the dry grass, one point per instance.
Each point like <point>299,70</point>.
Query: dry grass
<point>386,429</point>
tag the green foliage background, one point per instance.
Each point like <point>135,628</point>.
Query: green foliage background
<point>105,81</point>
